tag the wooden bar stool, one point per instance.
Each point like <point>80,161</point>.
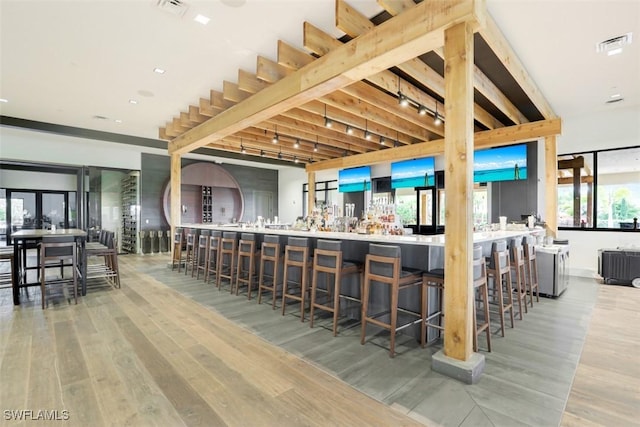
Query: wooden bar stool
<point>228,250</point>
<point>518,266</point>
<point>202,254</point>
<point>481,295</point>
<point>499,274</point>
<point>296,256</point>
<point>6,256</point>
<point>213,257</point>
<point>532,267</point>
<point>178,247</point>
<point>58,249</point>
<point>327,259</point>
<point>246,265</point>
<point>270,264</point>
<point>191,249</point>
<point>383,266</point>
<point>434,279</point>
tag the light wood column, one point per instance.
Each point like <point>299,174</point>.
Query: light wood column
<point>458,174</point>
<point>551,185</point>
<point>176,199</point>
<point>311,196</point>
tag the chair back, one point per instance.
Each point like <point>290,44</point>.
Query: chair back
<point>58,248</point>
<point>529,247</point>
<point>296,248</point>
<point>328,253</point>
<point>499,255</point>
<point>384,260</point>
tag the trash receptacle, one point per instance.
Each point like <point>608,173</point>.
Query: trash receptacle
<point>145,242</point>
<point>155,241</point>
<point>164,240</point>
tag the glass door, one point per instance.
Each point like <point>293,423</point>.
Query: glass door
<point>53,211</point>
<point>36,210</point>
<point>426,202</point>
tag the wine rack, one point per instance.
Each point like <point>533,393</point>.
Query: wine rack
<point>129,242</point>
<point>207,204</point>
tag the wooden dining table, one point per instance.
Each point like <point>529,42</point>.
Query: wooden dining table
<point>21,238</point>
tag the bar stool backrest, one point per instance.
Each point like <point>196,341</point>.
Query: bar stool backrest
<point>529,247</point>
<point>58,247</point>
<point>384,269</point>
<point>499,246</point>
<point>269,249</point>
<point>300,242</point>
<point>478,260</point>
<point>203,237</point>
<point>515,246</point>
<point>330,261</point>
<point>227,236</point>
<point>216,233</point>
<point>177,235</point>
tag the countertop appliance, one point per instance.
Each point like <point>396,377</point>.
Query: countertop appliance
<point>553,269</point>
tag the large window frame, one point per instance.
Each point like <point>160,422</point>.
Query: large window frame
<point>590,202</point>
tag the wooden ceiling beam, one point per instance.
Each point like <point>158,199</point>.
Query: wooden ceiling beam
<point>354,24</point>
<point>397,40</point>
<point>195,116</point>
<point>255,135</point>
<point>485,139</point>
<point>569,181</point>
<point>498,43</point>
<point>205,107</point>
<point>317,122</point>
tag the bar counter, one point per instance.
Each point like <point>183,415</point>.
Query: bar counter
<point>418,252</point>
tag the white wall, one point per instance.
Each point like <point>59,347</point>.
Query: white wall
<point>290,181</point>
<point>27,180</point>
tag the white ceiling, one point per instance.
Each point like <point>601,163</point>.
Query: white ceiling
<point>66,62</point>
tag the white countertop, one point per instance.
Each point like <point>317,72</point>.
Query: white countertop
<point>412,239</point>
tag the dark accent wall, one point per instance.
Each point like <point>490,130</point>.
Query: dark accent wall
<point>515,198</point>
<point>155,174</point>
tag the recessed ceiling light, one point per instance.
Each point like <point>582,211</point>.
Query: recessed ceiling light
<point>158,70</point>
<point>615,95</point>
<point>201,19</point>
<point>4,100</point>
<point>118,121</point>
<point>133,101</point>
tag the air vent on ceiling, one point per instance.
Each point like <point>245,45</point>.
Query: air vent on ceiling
<point>614,43</point>
<point>100,117</point>
<point>613,101</point>
<point>174,7</point>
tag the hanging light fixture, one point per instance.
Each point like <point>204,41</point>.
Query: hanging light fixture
<point>295,159</point>
<point>396,143</point>
<point>436,117</point>
<point>422,110</point>
<point>327,121</point>
<point>297,143</point>
<point>381,140</point>
<point>349,130</point>
<point>315,147</point>
<point>261,153</point>
<point>280,154</point>
<point>276,137</point>
<point>402,98</point>
<point>242,149</point>
<point>367,134</point>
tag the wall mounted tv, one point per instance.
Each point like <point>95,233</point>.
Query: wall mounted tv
<point>500,164</point>
<point>413,173</point>
<point>354,179</point>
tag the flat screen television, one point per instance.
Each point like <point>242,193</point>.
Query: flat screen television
<point>354,179</point>
<point>413,173</point>
<point>500,164</point>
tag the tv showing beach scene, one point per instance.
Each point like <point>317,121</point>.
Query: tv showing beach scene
<point>413,173</point>
<point>354,179</point>
<point>500,164</point>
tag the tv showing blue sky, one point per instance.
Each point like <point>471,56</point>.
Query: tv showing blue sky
<point>413,173</point>
<point>500,164</point>
<point>354,179</point>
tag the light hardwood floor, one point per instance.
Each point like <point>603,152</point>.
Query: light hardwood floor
<point>606,388</point>
<point>169,350</point>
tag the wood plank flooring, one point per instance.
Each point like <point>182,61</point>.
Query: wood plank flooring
<point>606,388</point>
<point>168,350</point>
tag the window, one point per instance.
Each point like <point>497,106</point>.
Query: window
<point>599,190</point>
<point>618,188</point>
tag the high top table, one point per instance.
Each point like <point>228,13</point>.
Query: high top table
<point>20,270</point>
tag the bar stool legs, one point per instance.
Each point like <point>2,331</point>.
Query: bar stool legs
<point>296,255</point>
<point>202,255</point>
<point>481,295</point>
<point>327,259</point>
<point>532,267</point>
<point>383,266</point>
<point>246,255</point>
<point>434,279</point>
<point>499,272</point>
<point>213,257</point>
<point>517,264</point>
<point>228,248</point>
<point>269,257</point>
